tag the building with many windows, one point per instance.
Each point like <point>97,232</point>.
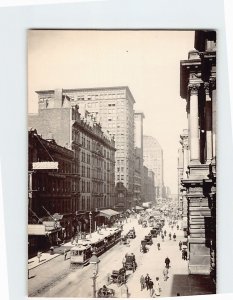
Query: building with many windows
<point>138,164</point>
<point>49,192</point>
<point>112,107</point>
<point>198,88</point>
<point>93,168</point>
<point>153,159</point>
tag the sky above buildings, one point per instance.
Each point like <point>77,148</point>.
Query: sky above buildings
<point>148,62</point>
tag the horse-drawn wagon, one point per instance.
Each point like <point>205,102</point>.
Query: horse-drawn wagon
<point>130,262</point>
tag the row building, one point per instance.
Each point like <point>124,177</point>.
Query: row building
<point>92,172</point>
<point>197,162</point>
<point>112,107</point>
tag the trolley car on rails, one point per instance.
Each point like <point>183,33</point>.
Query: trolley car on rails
<point>99,243</point>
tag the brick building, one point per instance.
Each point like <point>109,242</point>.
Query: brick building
<point>94,152</point>
<point>49,192</point>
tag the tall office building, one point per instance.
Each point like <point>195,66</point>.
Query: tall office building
<point>153,159</point>
<point>112,107</point>
<point>138,166</point>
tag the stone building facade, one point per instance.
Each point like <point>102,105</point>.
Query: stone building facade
<point>198,88</point>
<point>112,107</point>
<point>93,167</point>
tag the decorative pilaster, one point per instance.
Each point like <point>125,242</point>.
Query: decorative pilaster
<point>213,98</point>
<point>194,123</point>
<point>208,123</point>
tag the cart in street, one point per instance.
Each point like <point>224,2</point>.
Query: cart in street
<point>130,262</point>
<point>143,247</point>
<point>118,276</point>
<point>148,239</point>
<point>105,292</point>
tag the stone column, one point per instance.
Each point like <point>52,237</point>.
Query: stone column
<point>194,124</point>
<point>213,98</point>
<point>208,124</point>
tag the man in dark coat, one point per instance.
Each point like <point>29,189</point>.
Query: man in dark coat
<point>167,262</point>
<point>147,279</point>
<point>150,285</point>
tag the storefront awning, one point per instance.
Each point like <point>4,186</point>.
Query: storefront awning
<point>108,213</point>
<point>146,204</point>
<point>139,208</point>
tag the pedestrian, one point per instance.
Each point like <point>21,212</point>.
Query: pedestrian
<point>65,254</point>
<point>39,254</point>
<point>165,232</point>
<point>162,236</point>
<point>151,284</point>
<point>142,282</point>
<point>165,274</point>
<point>167,262</point>
<point>147,279</point>
<point>158,246</point>
<point>185,254</point>
<point>180,245</point>
<point>177,227</point>
<point>174,237</point>
<point>124,261</point>
<point>157,287</point>
<point>170,236</point>
<point>172,227</point>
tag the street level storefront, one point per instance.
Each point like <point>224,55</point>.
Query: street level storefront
<point>42,236</point>
<point>107,217</point>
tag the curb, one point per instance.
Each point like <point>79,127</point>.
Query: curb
<point>41,263</point>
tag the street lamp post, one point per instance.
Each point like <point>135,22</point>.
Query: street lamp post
<point>90,217</point>
<point>95,261</point>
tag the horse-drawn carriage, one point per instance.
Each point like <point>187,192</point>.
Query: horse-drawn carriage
<point>144,223</point>
<point>124,239</point>
<point>130,262</point>
<point>154,232</point>
<point>143,247</point>
<point>118,276</point>
<point>148,239</point>
<point>131,234</point>
<point>105,292</point>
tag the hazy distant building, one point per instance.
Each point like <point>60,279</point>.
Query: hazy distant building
<point>138,165</point>
<point>153,159</point>
<point>148,188</point>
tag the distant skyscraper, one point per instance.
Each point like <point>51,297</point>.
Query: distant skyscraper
<point>138,165</point>
<point>153,159</point>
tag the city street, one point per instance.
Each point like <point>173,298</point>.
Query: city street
<point>56,278</point>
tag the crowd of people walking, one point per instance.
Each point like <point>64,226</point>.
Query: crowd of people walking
<point>168,234</point>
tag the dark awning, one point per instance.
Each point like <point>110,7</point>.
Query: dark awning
<point>108,213</point>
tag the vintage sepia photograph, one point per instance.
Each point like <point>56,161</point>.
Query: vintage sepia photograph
<point>121,163</point>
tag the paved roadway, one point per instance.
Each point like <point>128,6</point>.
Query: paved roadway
<point>55,278</point>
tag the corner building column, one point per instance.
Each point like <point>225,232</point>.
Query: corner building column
<point>194,123</point>
<point>208,124</point>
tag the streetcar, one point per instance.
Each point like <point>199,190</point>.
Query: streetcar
<point>80,254</point>
<point>98,242</point>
